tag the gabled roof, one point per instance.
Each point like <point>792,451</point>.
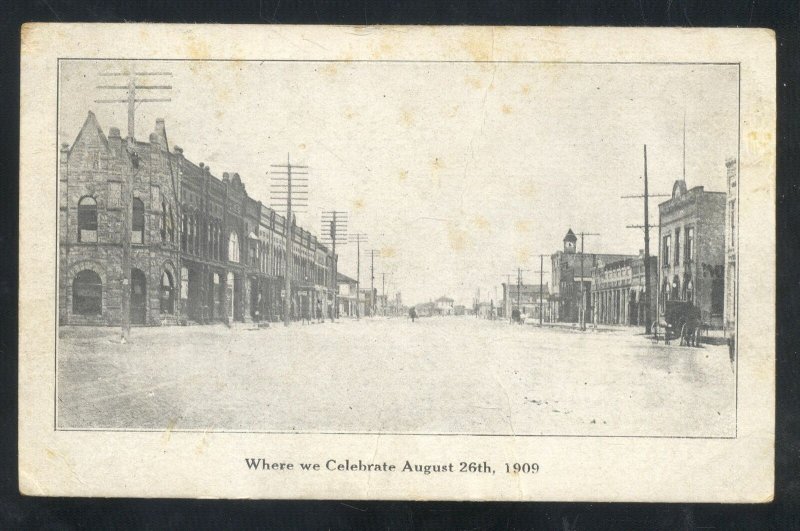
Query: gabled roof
<point>91,127</point>
<point>570,236</point>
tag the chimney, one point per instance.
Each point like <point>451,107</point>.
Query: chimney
<point>226,177</point>
<point>161,133</point>
<point>178,150</point>
<point>114,138</point>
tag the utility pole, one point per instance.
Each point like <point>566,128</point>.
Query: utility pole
<point>647,273</point>
<point>334,228</point>
<point>519,287</point>
<point>282,191</point>
<point>358,238</point>
<point>372,281</point>
<point>127,186</point>
<point>582,315</point>
<point>541,288</point>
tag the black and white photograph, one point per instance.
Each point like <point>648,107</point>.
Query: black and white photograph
<point>388,243</point>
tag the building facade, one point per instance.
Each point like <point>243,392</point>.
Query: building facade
<point>692,256</point>
<point>202,250</point>
<point>444,306</point>
<point>531,300</point>
<point>731,247</point>
<point>618,291</point>
<point>571,279</point>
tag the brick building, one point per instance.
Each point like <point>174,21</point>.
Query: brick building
<point>570,271</point>
<point>202,250</point>
<point>692,257</point>
<point>618,291</point>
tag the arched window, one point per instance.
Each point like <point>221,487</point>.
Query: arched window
<point>233,247</point>
<point>137,224</point>
<point>87,220</point>
<point>167,293</point>
<point>87,293</point>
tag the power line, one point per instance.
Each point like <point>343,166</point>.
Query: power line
<point>336,221</point>
<point>286,194</point>
<point>358,238</point>
<point>127,193</point>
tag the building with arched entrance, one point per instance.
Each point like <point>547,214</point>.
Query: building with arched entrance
<point>691,265</point>
<point>201,249</point>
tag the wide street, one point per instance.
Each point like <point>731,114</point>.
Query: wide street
<point>438,375</point>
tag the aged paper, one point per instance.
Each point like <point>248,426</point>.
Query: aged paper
<point>397,262</point>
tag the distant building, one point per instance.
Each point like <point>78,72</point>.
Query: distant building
<point>459,309</point>
<point>368,302</point>
<point>486,310</point>
<point>347,288</point>
<point>731,237</point>
<point>426,309</point>
<point>571,275</point>
<point>692,257</point>
<point>444,306</point>
<point>531,300</point>
<point>618,291</point>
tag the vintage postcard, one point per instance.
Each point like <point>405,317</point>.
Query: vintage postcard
<point>467,263</point>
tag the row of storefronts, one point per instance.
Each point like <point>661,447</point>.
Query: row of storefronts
<point>201,249</point>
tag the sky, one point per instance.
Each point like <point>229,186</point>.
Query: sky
<point>458,173</point>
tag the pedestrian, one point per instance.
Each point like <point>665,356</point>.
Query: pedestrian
<point>319,311</point>
<point>412,312</point>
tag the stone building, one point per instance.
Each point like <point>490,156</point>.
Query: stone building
<point>618,291</point>
<point>202,250</point>
<point>692,257</point>
<point>731,246</point>
<point>571,275</point>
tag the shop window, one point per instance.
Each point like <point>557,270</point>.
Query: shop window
<point>87,293</point>
<point>137,224</point>
<point>87,220</point>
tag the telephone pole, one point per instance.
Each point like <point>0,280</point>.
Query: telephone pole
<point>519,287</point>
<point>127,186</point>
<point>334,228</point>
<point>358,238</point>
<point>372,281</point>
<point>647,273</point>
<point>582,315</point>
<point>507,296</point>
<point>289,185</point>
<point>383,292</point>
<point>541,288</point>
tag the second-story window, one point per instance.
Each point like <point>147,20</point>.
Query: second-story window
<point>688,254</point>
<point>666,251</point>
<point>233,247</point>
<point>677,246</point>
<point>87,220</point>
<point>137,223</point>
